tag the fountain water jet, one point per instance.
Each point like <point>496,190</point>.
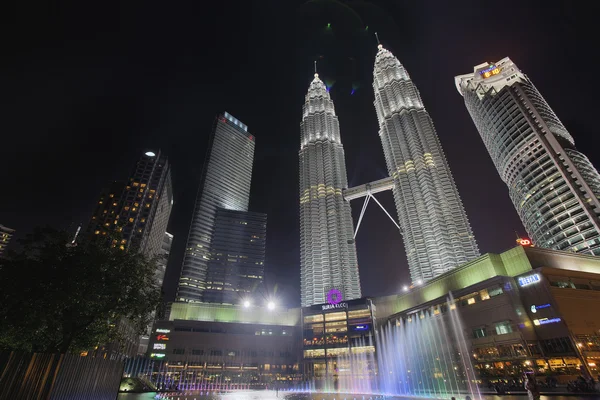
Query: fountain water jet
<point>425,354</point>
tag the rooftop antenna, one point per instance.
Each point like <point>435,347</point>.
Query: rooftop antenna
<point>315,66</point>
<point>377,36</point>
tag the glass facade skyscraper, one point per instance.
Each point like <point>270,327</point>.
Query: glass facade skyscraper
<point>237,265</point>
<point>327,250</point>
<point>435,229</point>
<point>552,185</point>
<point>225,184</point>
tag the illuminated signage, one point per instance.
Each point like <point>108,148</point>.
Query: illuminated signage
<point>529,279</point>
<point>334,306</point>
<point>534,308</point>
<point>490,71</point>
<point>157,355</point>
<point>159,346</point>
<point>525,242</point>
<point>361,327</point>
<point>160,330</point>
<point>334,296</point>
<point>162,337</point>
<point>546,321</point>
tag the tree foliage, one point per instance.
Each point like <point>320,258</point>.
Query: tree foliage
<point>58,298</point>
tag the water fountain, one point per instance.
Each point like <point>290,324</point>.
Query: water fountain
<point>425,354</point>
<point>421,354</point>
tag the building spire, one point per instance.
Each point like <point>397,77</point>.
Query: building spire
<point>316,74</point>
<point>378,42</point>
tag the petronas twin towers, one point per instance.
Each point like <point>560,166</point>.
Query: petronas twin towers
<point>434,226</point>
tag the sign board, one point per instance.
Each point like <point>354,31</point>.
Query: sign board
<point>529,280</point>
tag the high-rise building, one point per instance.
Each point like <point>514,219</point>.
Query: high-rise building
<point>236,267</point>
<point>106,212</point>
<point>435,229</point>
<point>552,185</point>
<point>147,201</point>
<point>138,210</point>
<point>5,235</point>
<point>225,184</point>
<point>327,250</point>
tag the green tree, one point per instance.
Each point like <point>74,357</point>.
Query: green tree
<point>61,298</point>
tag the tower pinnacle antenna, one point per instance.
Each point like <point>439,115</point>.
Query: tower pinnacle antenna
<point>377,36</point>
<point>315,66</point>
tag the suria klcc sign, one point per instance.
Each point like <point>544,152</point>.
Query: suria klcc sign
<point>334,301</point>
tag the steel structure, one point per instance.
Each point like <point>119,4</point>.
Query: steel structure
<point>368,190</point>
<point>435,229</point>
<point>327,250</point>
<point>553,187</point>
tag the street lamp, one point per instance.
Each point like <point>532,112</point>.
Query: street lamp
<point>271,305</point>
<point>246,303</point>
<point>405,288</point>
<point>419,282</point>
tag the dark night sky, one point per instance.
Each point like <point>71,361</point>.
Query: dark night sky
<point>86,88</point>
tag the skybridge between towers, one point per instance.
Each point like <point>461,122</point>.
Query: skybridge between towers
<point>367,191</point>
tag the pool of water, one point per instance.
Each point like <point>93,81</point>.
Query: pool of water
<point>272,395</point>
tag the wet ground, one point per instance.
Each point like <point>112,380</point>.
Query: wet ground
<point>272,395</point>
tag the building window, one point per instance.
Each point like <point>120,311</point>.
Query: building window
<point>313,318</point>
<point>478,332</point>
<point>197,352</point>
<point>561,284</point>
<point>216,352</point>
<point>484,294</point>
<point>178,351</point>
<point>503,328</point>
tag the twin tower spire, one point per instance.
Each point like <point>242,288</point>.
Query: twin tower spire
<point>434,226</point>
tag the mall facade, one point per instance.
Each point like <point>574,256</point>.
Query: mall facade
<point>524,309</point>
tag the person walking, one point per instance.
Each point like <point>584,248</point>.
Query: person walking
<point>533,390</point>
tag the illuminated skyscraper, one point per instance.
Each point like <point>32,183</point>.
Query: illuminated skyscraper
<point>435,229</point>
<point>327,249</point>
<point>553,187</point>
<point>138,210</point>
<point>237,265</point>
<point>225,184</point>
<point>146,204</point>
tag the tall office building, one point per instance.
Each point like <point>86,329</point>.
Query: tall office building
<point>138,210</point>
<point>327,250</point>
<point>225,184</point>
<point>553,187</point>
<point>237,264</point>
<point>106,211</point>
<point>147,201</point>
<point>435,229</point>
<point>5,235</point>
